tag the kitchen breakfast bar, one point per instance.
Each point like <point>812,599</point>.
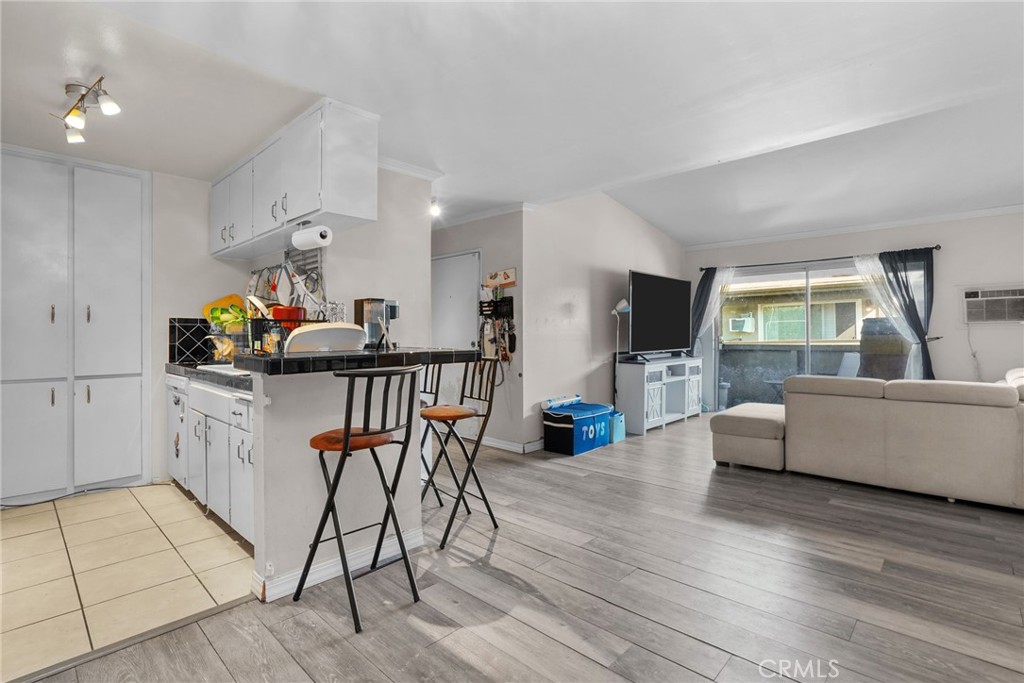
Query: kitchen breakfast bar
<point>295,397</point>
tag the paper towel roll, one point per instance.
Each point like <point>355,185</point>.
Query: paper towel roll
<point>312,238</point>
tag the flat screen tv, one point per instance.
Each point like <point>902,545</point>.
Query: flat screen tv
<point>659,315</point>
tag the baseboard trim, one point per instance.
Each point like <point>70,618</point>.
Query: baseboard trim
<point>275,587</point>
<point>514,446</point>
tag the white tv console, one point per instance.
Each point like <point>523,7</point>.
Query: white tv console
<point>653,393</point>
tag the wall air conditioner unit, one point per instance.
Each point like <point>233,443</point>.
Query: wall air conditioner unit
<point>745,324</point>
<point>993,304</point>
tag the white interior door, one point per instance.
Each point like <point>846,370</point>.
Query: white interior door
<point>35,268</point>
<point>454,300</point>
<point>108,273</point>
<point>35,438</point>
<point>108,429</point>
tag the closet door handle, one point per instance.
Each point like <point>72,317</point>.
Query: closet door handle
<point>53,396</point>
<point>53,313</point>
<point>88,313</point>
<point>88,393</point>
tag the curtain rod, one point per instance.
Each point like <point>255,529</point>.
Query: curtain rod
<point>814,260</point>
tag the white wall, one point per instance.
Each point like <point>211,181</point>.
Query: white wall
<point>500,242</point>
<point>185,277</point>
<point>577,255</point>
<point>976,251</point>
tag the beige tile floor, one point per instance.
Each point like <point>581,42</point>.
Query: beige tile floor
<point>80,573</point>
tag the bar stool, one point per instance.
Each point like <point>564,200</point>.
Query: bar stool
<point>477,387</point>
<point>387,419</point>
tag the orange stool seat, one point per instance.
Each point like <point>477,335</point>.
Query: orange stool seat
<point>334,440</point>
<point>445,413</point>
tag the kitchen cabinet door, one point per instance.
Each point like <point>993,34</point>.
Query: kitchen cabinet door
<point>108,273</point>
<point>197,455</point>
<point>218,486</point>
<point>266,190</point>
<point>177,437</point>
<point>35,438</point>
<point>108,429</point>
<point>220,207</point>
<point>241,483</point>
<point>302,168</point>
<point>240,205</point>
<point>34,288</point>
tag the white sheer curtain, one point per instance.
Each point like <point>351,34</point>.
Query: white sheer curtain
<point>723,278</point>
<point>870,269</point>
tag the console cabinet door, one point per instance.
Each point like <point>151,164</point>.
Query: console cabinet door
<point>34,289</point>
<point>218,488</point>
<point>267,193</point>
<point>35,438</point>
<point>108,429</point>
<point>241,483</point>
<point>197,455</point>
<point>108,273</point>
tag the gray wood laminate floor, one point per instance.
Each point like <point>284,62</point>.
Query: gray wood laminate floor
<point>644,562</point>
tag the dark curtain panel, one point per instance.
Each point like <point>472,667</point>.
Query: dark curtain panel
<point>909,276</point>
<point>700,303</point>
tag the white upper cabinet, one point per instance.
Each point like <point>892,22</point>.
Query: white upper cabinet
<point>266,190</point>
<point>240,204</point>
<point>108,273</point>
<point>35,268</point>
<point>219,207</point>
<point>302,171</point>
<point>321,168</point>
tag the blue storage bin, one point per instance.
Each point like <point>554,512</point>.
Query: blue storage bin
<point>577,428</point>
<point>616,427</point>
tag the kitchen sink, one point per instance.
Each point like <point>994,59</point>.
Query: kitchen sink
<point>224,369</point>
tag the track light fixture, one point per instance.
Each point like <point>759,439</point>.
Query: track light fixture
<point>435,208</point>
<point>86,96</point>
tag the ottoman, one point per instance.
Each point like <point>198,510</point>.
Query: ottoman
<point>750,434</point>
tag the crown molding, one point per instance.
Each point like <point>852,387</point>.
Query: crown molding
<point>421,172</point>
<point>490,213</point>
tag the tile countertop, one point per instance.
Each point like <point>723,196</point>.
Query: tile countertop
<point>334,361</point>
<point>239,383</point>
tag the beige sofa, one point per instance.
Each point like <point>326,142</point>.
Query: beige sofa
<point>955,439</point>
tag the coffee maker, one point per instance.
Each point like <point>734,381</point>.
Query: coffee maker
<point>375,316</point>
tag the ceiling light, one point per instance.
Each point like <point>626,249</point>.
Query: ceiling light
<point>74,135</point>
<point>107,104</point>
<point>75,118</point>
<point>86,97</point>
<point>435,208</point>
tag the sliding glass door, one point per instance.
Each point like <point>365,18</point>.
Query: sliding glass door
<point>817,318</point>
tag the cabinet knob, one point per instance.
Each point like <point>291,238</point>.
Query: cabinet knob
<point>53,397</point>
<point>53,313</point>
<point>223,235</point>
<point>88,313</point>
<point>231,232</point>
<point>195,429</point>
<point>273,210</point>
<point>238,451</point>
<point>250,455</point>
<point>88,393</point>
<point>284,203</point>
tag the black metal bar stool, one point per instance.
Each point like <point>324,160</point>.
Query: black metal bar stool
<point>477,387</point>
<point>387,419</point>
<point>431,388</point>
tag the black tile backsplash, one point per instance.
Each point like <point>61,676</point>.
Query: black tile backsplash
<point>188,342</point>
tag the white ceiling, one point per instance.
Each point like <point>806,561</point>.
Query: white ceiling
<point>714,121</point>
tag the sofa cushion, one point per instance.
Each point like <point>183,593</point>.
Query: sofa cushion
<point>755,420</point>
<point>864,387</point>
<point>1013,375</point>
<point>1017,383</point>
<point>966,393</point>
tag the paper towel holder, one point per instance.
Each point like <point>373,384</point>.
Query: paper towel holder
<point>310,236</point>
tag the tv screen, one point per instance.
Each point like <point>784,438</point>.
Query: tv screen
<point>659,315</point>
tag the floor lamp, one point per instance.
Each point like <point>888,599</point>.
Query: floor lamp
<point>620,308</point>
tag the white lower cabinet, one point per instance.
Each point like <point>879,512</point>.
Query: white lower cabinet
<point>108,429</point>
<point>35,438</point>
<point>241,483</point>
<point>218,486</point>
<point>220,471</point>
